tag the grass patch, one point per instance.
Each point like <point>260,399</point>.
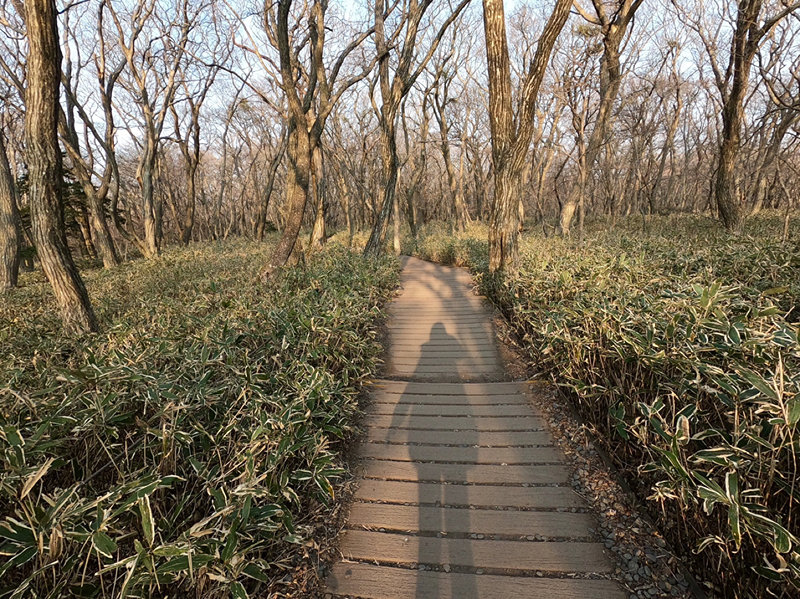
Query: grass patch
<point>679,344</point>
<point>175,451</point>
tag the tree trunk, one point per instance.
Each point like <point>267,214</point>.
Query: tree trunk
<point>10,234</point>
<point>45,168</point>
<point>150,247</point>
<point>297,182</point>
<point>390,164</point>
<point>614,30</point>
<point>191,194</point>
<point>726,190</point>
<point>512,134</point>
<point>318,234</point>
<point>88,249</point>
<point>273,170</point>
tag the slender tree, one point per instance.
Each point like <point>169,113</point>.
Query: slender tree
<point>614,28</point>
<point>44,166</point>
<point>10,234</point>
<point>311,95</point>
<point>394,88</point>
<point>512,133</point>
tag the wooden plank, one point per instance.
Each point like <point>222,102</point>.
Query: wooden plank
<point>423,320</point>
<point>468,495</point>
<point>508,555</point>
<point>405,518</point>
<point>461,455</point>
<point>447,410</point>
<point>454,423</point>
<point>482,438</point>
<point>451,345</point>
<point>487,359</point>
<point>448,369</point>
<point>416,317</point>
<point>462,333</point>
<point>426,333</point>
<point>438,352</point>
<point>447,400</point>
<point>386,582</point>
<point>388,386</point>
<point>463,473</point>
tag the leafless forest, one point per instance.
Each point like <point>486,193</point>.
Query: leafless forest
<point>175,116</point>
<point>181,355</point>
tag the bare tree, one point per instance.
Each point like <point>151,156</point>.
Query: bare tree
<point>394,88</point>
<point>45,169</point>
<point>82,159</point>
<point>512,130</point>
<point>732,80</point>
<point>311,95</point>
<point>614,29</point>
<point>443,77</point>
<point>151,78</point>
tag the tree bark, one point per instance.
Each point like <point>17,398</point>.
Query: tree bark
<point>10,234</point>
<point>261,225</point>
<point>45,168</point>
<point>392,93</point>
<point>512,134</point>
<point>318,233</point>
<point>298,168</point>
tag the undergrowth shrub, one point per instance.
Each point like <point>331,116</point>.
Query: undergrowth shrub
<point>177,450</point>
<point>680,346</point>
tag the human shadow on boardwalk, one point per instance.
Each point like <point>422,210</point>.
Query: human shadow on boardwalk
<point>443,497</point>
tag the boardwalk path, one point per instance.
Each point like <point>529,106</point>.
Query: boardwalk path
<point>463,494</point>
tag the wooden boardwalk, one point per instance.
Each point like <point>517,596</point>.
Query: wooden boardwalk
<point>462,493</point>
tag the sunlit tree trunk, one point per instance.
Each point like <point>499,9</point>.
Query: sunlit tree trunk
<point>318,233</point>
<point>10,234</point>
<point>512,134</point>
<point>45,168</point>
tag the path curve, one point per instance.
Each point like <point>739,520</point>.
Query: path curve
<point>463,494</point>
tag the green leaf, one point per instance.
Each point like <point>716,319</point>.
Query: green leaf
<point>181,564</point>
<point>733,520</point>
<point>782,543</point>
<point>13,436</point>
<point>732,486</point>
<point>15,531</point>
<point>759,383</point>
<point>255,572</point>
<point>776,290</point>
<point>769,573</point>
<point>794,412</point>
<point>238,591</point>
<point>296,539</point>
<point>104,544</point>
<point>148,525</point>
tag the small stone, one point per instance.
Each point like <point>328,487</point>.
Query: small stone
<point>447,567</point>
<point>479,571</point>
